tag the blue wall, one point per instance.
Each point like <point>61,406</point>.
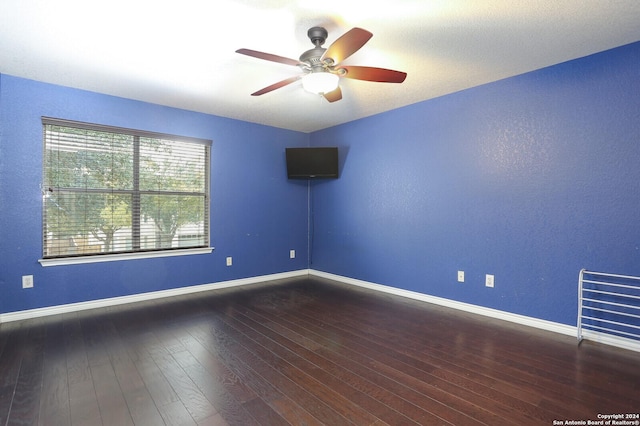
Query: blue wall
<point>530,178</point>
<point>257,216</point>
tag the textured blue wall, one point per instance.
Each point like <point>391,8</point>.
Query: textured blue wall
<point>257,216</point>
<point>530,178</point>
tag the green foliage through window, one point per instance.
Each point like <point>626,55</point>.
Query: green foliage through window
<point>111,190</point>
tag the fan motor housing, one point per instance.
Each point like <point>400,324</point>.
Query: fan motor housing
<point>312,56</point>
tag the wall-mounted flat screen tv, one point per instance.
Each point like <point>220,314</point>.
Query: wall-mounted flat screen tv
<point>312,163</point>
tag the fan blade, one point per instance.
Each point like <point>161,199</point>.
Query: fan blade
<point>334,95</point>
<point>277,85</point>
<point>269,57</point>
<point>347,45</point>
<point>381,75</point>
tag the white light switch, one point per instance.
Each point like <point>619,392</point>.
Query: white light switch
<point>229,261</point>
<point>292,254</point>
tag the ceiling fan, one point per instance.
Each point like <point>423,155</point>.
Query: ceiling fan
<point>321,66</point>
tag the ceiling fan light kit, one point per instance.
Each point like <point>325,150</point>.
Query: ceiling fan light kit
<point>320,82</point>
<point>321,67</point>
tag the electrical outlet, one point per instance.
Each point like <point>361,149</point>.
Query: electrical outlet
<point>27,281</point>
<point>229,261</point>
<point>460,276</point>
<point>489,280</point>
<point>292,254</point>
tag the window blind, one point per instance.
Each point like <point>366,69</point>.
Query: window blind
<point>110,190</point>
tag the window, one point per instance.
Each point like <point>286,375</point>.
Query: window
<point>114,191</point>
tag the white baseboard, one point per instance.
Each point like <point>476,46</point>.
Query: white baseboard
<point>114,301</point>
<point>555,327</point>
<point>467,307</point>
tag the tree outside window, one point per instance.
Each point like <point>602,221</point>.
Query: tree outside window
<point>112,190</point>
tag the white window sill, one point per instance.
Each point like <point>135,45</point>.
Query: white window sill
<point>122,256</point>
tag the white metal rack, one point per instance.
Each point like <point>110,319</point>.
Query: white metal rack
<point>609,305</point>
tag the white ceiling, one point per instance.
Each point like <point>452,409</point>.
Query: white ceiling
<point>182,54</point>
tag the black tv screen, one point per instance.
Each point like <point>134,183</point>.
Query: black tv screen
<point>312,163</point>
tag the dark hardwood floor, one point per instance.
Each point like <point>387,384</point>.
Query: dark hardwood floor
<point>303,352</point>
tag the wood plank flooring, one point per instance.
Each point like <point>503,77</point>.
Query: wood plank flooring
<point>303,351</point>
